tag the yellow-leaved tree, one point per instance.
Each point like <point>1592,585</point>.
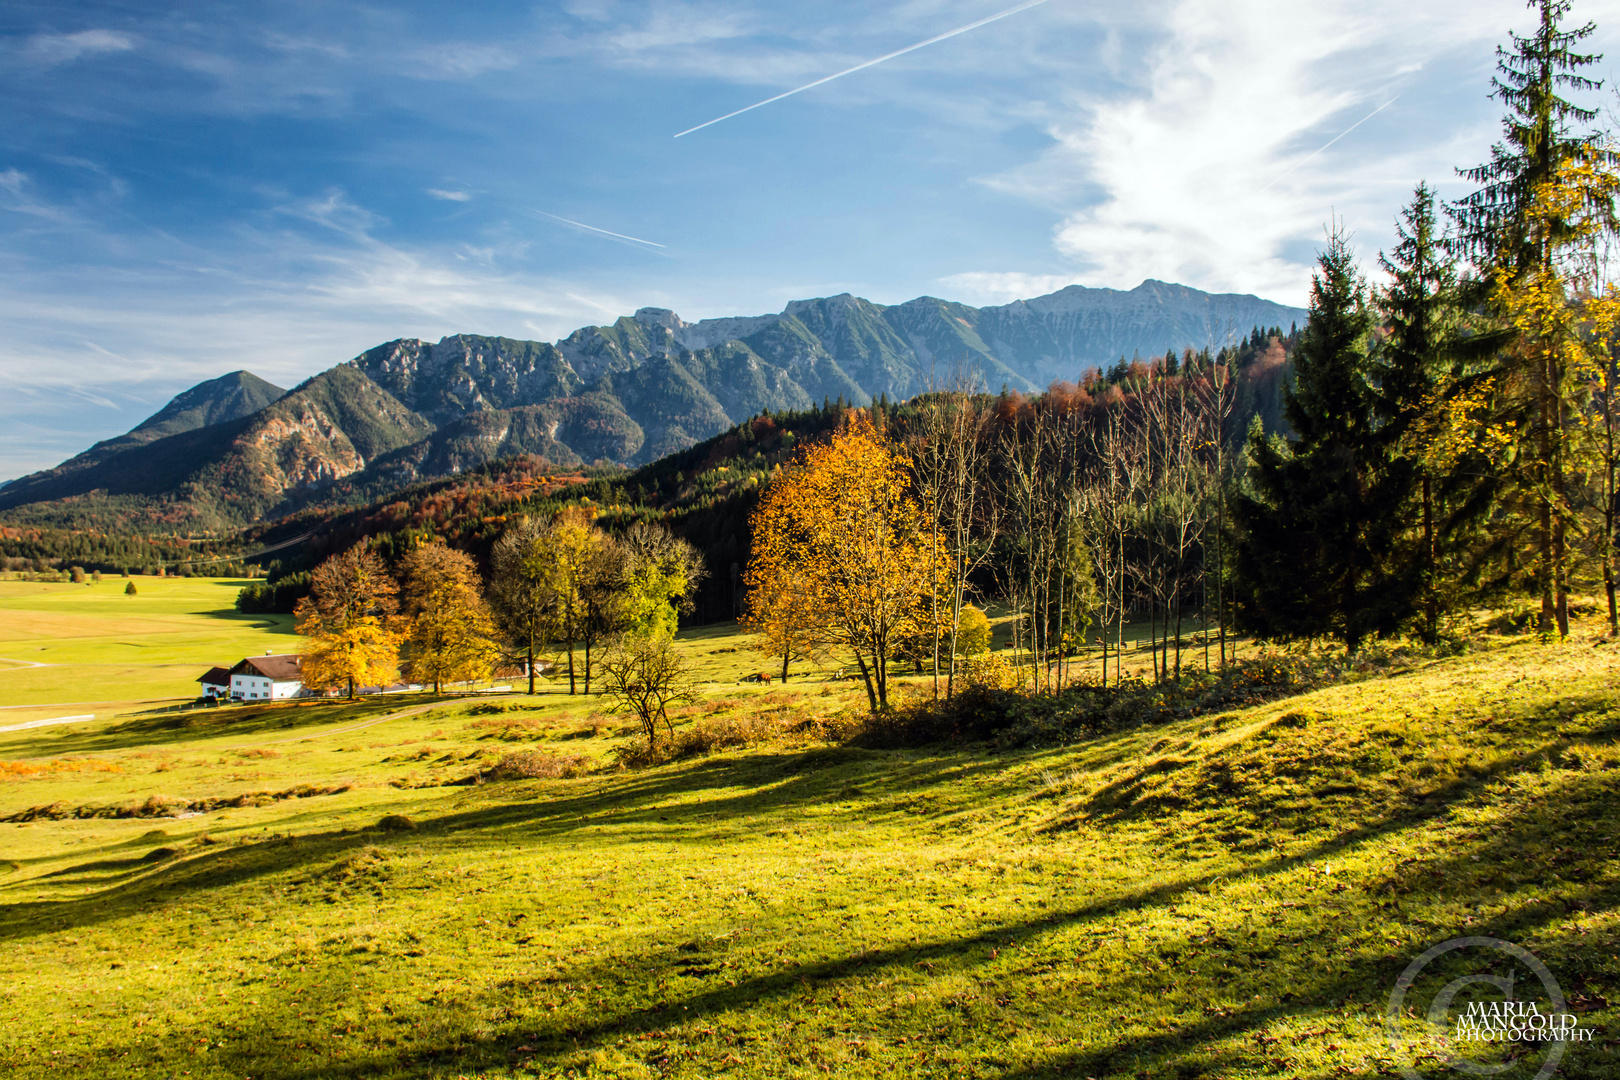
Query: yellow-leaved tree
<point>1562,315</point>
<point>842,553</point>
<point>347,618</point>
<point>450,635</point>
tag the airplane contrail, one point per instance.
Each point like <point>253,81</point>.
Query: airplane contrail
<point>861,67</point>
<point>593,228</point>
<point>1330,142</point>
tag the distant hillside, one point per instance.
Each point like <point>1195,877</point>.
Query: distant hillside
<point>232,450</point>
<point>217,401</point>
<point>227,474</point>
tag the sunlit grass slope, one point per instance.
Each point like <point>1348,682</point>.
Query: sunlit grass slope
<point>1227,896</point>
<point>66,643</point>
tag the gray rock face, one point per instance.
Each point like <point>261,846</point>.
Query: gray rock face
<point>1059,335</point>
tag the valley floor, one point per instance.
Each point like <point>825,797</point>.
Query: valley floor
<point>308,892</point>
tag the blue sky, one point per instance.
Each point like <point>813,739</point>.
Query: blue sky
<point>187,189</point>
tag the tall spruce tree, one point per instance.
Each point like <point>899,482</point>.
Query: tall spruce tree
<point>1538,135</point>
<point>1503,231</point>
<point>1317,523</point>
<point>1430,360</point>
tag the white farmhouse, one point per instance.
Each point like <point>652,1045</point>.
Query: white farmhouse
<point>267,678</point>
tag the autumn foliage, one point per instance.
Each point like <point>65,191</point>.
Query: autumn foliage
<point>841,555</point>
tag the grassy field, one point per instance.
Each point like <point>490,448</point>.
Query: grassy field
<point>91,645</point>
<point>336,890</point>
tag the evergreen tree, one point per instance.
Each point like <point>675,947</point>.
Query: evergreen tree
<point>1538,135</point>
<point>1316,527</point>
<point>1429,365</point>
<point>1509,226</point>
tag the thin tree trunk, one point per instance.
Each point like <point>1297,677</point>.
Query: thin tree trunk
<point>1544,541</point>
<point>933,593</point>
<point>1611,498</point>
<point>1431,600</point>
<point>1560,525</point>
<point>866,677</point>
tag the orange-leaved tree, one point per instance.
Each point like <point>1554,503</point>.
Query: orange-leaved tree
<point>451,635</point>
<point>346,616</point>
<point>842,553</point>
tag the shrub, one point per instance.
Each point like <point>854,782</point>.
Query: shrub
<point>537,765</point>
<point>130,590</point>
<point>973,632</point>
<point>1009,717</point>
<point>508,729</point>
<point>988,671</point>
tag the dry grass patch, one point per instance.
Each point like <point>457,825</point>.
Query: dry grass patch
<point>538,765</point>
<point>23,770</point>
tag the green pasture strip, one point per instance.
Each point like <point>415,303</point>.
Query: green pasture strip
<point>98,643</point>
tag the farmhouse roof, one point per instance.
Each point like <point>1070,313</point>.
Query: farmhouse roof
<point>284,668</point>
<point>215,676</point>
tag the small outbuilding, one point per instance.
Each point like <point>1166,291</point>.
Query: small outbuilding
<point>216,683</point>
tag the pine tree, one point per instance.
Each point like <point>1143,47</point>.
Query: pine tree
<point>1506,225</point>
<point>1537,136</point>
<point>1429,365</point>
<point>1316,525</point>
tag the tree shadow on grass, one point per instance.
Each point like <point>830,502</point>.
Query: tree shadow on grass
<point>1215,1043</point>
<point>694,1007</point>
<point>635,809</point>
<point>449,1033</point>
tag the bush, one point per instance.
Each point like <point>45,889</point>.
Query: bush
<point>130,590</point>
<point>537,765</point>
<point>972,632</point>
<point>987,672</point>
<point>1009,717</point>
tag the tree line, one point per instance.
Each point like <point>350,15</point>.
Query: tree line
<point>561,584</point>
<point>1446,438</point>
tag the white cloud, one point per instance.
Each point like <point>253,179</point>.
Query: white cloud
<point>981,288</point>
<point>449,196</point>
<point>1181,176</point>
<point>51,49</point>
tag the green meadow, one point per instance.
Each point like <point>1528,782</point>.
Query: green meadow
<point>444,887</point>
<point>65,643</point>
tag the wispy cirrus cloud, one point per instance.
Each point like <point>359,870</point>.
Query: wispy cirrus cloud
<point>307,283</point>
<point>52,49</point>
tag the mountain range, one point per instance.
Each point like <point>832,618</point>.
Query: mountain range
<point>237,449</point>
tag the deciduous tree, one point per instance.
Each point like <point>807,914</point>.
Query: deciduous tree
<point>347,617</point>
<point>450,635</point>
<point>844,517</point>
<point>644,675</point>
